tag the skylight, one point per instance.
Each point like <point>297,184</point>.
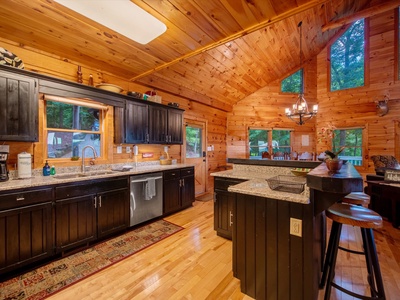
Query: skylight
<point>122,16</point>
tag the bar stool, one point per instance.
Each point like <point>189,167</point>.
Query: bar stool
<point>367,220</point>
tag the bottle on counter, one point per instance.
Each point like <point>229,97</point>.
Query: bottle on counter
<point>46,169</point>
<point>53,170</point>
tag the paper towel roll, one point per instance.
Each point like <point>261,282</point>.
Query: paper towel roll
<point>24,165</point>
<point>135,150</point>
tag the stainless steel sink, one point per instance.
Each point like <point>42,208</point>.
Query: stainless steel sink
<point>79,175</point>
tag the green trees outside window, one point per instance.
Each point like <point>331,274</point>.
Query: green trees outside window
<point>293,83</point>
<point>352,140</point>
<point>347,58</point>
<point>259,140</point>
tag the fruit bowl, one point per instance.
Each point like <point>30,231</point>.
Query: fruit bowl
<point>300,171</point>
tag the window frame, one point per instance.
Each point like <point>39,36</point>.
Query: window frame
<point>102,155</point>
<point>366,56</point>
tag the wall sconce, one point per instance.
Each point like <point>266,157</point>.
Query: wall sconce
<point>382,107</point>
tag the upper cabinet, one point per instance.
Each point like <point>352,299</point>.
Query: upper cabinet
<point>148,123</point>
<point>18,108</point>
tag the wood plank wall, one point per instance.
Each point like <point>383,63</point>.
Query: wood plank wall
<point>346,108</point>
<point>60,67</point>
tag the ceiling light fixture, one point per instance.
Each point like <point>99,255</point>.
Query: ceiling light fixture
<point>122,16</point>
<point>300,112</point>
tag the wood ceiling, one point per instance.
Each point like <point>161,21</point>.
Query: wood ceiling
<point>214,51</point>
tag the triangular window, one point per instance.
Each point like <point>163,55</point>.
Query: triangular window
<point>293,83</point>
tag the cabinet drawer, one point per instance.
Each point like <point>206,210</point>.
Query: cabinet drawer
<point>187,171</point>
<point>173,174</point>
<point>223,183</point>
<point>25,197</point>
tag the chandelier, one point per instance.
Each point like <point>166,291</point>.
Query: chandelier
<point>300,112</point>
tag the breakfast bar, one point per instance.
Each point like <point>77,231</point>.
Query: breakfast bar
<point>279,238</point>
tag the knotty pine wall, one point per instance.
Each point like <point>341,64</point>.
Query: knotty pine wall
<point>60,67</point>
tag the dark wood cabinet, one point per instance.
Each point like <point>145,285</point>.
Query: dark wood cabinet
<point>223,206</point>
<point>112,212</point>
<point>175,126</point>
<point>26,234</point>
<point>19,104</point>
<point>158,129</point>
<point>90,210</point>
<point>178,189</point>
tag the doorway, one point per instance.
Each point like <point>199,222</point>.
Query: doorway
<point>195,152</point>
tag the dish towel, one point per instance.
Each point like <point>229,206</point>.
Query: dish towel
<point>150,188</point>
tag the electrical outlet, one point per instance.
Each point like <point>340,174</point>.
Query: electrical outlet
<point>295,227</point>
<point>128,149</point>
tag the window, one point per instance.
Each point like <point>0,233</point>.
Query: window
<point>347,58</point>
<point>193,142</point>
<point>281,141</point>
<point>351,139</point>
<point>70,127</point>
<point>293,83</point>
<point>260,139</point>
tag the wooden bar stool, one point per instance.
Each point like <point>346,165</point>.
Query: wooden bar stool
<point>367,220</point>
<point>356,198</point>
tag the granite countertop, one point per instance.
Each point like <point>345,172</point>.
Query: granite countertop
<point>40,180</point>
<point>257,185</point>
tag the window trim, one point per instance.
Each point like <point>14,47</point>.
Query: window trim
<point>366,56</point>
<point>86,103</point>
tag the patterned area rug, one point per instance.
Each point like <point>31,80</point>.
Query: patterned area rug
<point>44,281</point>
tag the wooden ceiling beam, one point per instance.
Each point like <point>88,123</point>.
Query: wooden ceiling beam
<point>368,12</point>
<point>237,35</point>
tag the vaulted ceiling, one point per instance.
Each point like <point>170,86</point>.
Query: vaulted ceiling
<point>214,51</point>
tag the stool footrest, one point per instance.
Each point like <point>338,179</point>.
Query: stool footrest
<point>351,251</point>
<point>355,294</point>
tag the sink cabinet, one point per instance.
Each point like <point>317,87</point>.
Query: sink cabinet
<point>224,206</point>
<point>87,211</point>
<point>18,107</point>
<point>178,189</point>
<point>26,234</point>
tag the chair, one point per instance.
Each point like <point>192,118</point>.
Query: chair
<point>367,220</point>
<point>265,154</point>
<point>384,162</point>
<point>279,155</point>
<point>294,155</point>
<point>306,156</point>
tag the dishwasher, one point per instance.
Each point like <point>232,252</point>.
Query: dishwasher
<point>146,197</point>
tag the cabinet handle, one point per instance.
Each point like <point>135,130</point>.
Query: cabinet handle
<point>169,139</point>
<point>180,182</point>
<point>166,138</point>
<point>215,197</point>
<point>20,198</point>
<point>183,181</point>
<point>95,201</point>
<point>99,201</point>
<point>230,218</point>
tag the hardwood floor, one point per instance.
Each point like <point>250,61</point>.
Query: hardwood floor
<point>196,264</point>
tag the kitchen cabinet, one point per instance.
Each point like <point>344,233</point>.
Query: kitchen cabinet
<point>26,234</point>
<point>165,125</point>
<point>19,104</point>
<point>178,189</point>
<point>224,206</point>
<point>87,211</point>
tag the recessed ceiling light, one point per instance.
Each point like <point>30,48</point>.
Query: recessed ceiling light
<point>122,16</point>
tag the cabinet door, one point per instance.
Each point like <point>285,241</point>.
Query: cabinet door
<point>137,123</point>
<point>25,235</point>
<point>158,125</point>
<point>75,222</point>
<point>112,212</point>
<point>223,213</point>
<point>18,108</point>
<point>175,129</point>
<point>187,187</point>
<point>171,191</point>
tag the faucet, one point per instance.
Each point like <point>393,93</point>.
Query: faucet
<point>83,156</point>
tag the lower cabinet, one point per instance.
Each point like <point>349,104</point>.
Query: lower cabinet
<point>178,189</point>
<point>26,234</point>
<point>223,206</point>
<point>89,211</point>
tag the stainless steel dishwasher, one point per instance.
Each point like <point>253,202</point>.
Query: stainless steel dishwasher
<point>146,200</point>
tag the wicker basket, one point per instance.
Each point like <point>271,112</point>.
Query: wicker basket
<point>287,183</point>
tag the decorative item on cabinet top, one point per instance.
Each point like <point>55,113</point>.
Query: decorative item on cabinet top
<point>110,87</point>
<point>8,58</point>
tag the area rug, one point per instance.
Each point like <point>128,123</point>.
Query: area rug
<point>57,275</point>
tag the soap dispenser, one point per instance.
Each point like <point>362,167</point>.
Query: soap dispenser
<point>46,169</point>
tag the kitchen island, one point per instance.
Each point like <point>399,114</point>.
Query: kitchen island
<point>278,237</point>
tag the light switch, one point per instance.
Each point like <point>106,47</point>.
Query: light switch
<point>119,149</point>
<point>128,149</point>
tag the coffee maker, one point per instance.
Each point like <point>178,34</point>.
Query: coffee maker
<point>4,150</point>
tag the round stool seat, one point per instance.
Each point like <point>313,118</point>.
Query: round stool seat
<point>356,198</point>
<point>354,215</point>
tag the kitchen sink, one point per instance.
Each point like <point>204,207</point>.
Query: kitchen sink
<point>80,175</point>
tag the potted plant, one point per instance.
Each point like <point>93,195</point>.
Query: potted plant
<point>333,162</point>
